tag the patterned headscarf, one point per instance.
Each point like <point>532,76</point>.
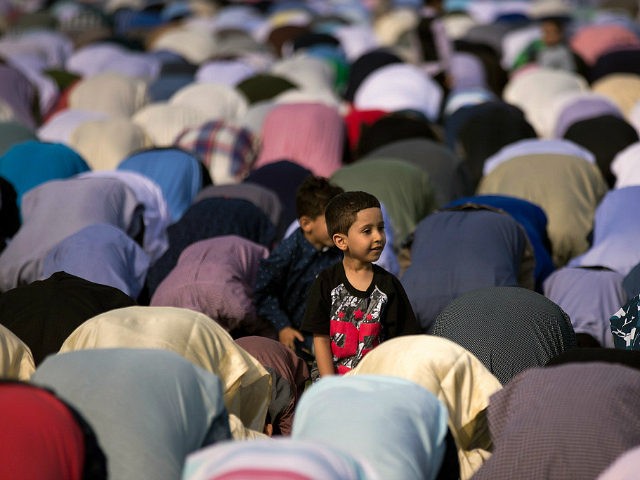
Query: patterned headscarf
<point>625,325</point>
<point>228,151</point>
<point>510,329</point>
<point>567,421</point>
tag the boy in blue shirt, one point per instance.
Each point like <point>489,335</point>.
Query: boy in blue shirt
<point>284,278</point>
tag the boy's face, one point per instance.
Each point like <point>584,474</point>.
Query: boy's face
<point>366,237</point>
<point>551,33</point>
<point>315,231</point>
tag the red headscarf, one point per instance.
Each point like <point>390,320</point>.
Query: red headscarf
<point>39,437</point>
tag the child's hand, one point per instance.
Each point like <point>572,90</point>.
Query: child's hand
<point>288,336</point>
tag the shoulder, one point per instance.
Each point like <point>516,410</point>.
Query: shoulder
<point>382,275</point>
<point>290,244</point>
<point>295,240</point>
<point>385,280</point>
<point>333,273</point>
<point>328,278</point>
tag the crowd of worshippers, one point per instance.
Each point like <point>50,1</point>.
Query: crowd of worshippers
<point>321,239</point>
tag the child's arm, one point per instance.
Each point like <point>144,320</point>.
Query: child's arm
<point>270,283</point>
<point>324,358</point>
<point>288,336</point>
<point>317,320</point>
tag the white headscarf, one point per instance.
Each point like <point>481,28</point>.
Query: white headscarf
<point>400,86</point>
<point>534,89</point>
<point>626,166</point>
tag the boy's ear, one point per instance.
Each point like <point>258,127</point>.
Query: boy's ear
<point>305,222</point>
<point>340,241</point>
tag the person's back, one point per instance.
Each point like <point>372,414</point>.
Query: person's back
<point>285,277</point>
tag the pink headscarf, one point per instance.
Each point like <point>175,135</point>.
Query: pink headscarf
<point>593,40</point>
<point>215,277</point>
<point>309,134</point>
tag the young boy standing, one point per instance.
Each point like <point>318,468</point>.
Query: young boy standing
<point>284,279</point>
<point>354,305</point>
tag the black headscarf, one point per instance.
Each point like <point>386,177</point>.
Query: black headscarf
<point>604,136</point>
<point>44,313</point>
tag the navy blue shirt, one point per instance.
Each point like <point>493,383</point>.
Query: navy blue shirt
<point>284,279</point>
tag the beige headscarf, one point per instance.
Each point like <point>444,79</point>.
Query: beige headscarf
<point>196,337</point>
<point>105,143</point>
<point>459,380</point>
<point>308,72</point>
<point>623,89</point>
<point>566,187</point>
<point>110,93</point>
<point>163,122</point>
<point>16,360</point>
<point>215,101</point>
<point>195,44</point>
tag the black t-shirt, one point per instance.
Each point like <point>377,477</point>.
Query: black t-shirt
<point>355,320</point>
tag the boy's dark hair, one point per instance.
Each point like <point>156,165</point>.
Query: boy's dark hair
<point>343,209</point>
<point>313,195</point>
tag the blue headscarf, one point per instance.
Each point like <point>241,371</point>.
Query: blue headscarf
<point>29,164</point>
<point>395,425</point>
<point>532,218</point>
<point>178,174</point>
